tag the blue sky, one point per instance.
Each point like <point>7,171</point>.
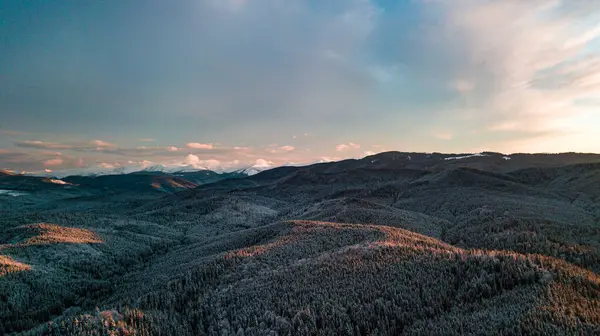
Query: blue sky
<point>224,83</point>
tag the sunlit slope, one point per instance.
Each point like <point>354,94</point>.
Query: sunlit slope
<point>49,270</point>
<point>342,279</point>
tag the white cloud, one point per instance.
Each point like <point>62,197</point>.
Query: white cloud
<point>172,149</point>
<point>341,147</point>
<point>93,145</point>
<point>191,159</point>
<point>198,163</point>
<point>103,144</point>
<point>531,60</point>
<point>325,159</point>
<point>281,149</point>
<point>196,145</point>
<point>53,162</point>
<point>146,163</point>
<point>262,163</point>
<point>346,147</point>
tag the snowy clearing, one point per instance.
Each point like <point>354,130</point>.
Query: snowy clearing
<point>463,157</point>
<point>11,193</point>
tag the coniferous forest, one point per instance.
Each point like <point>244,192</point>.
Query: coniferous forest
<point>393,244</point>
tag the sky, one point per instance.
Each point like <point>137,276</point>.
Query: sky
<point>232,83</point>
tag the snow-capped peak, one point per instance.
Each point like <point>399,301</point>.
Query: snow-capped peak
<point>185,169</point>
<point>252,170</point>
<point>154,168</point>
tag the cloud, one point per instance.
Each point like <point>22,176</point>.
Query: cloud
<point>325,159</point>
<point>505,126</point>
<point>154,152</point>
<point>105,147</point>
<point>244,87</point>
<point>462,85</point>
<point>93,145</point>
<point>196,145</point>
<point>11,157</point>
<point>146,140</point>
<point>41,144</point>
<point>195,161</point>
<point>10,132</point>
<point>341,147</point>
<point>103,144</point>
<point>107,165</point>
<point>346,147</point>
<point>400,72</point>
<point>443,135</point>
<point>20,161</point>
<point>227,165</point>
<point>53,162</point>
<point>191,159</point>
<point>526,76</point>
<point>262,163</point>
<point>281,149</point>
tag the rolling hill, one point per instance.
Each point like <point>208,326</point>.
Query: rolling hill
<point>391,244</point>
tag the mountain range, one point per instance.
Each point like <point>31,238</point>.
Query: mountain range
<point>135,168</point>
<point>391,244</point>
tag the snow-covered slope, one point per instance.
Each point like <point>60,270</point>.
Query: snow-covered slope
<point>464,156</point>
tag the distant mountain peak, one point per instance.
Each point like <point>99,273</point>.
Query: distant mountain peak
<point>253,170</point>
<point>154,168</point>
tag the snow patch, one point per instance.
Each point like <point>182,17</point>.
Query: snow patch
<point>251,171</point>
<point>11,193</point>
<point>174,169</point>
<point>56,181</point>
<point>463,157</point>
<point>506,158</point>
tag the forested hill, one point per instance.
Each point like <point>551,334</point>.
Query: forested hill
<point>392,244</point>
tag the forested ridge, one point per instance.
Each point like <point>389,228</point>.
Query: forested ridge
<point>380,246</point>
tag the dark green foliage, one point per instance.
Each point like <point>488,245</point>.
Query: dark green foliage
<point>491,249</point>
